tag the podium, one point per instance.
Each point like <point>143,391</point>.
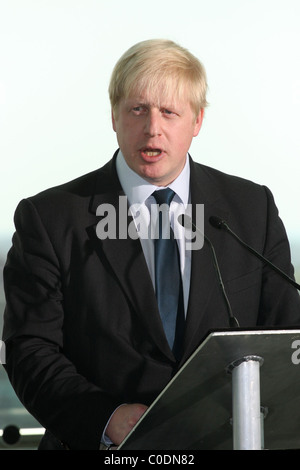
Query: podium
<point>239,390</point>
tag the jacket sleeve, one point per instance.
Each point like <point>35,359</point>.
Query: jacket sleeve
<point>45,380</point>
<point>280,301</point>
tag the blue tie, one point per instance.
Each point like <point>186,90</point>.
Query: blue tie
<point>168,284</point>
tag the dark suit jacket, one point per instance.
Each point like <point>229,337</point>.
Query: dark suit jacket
<point>82,328</point>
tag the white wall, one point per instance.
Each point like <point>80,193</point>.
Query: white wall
<point>56,58</point>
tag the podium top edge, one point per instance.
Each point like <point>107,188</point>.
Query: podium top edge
<point>253,331</point>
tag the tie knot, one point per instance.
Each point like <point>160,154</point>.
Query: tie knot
<point>164,196</point>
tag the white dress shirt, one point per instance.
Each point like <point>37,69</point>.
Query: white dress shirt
<point>143,208</point>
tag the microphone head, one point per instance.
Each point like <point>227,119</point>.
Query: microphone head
<point>185,221</point>
<point>216,222</point>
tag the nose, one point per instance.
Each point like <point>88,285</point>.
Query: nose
<point>153,123</point>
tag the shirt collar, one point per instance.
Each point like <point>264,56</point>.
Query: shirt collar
<point>137,189</point>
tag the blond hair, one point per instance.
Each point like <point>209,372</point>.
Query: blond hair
<point>159,67</point>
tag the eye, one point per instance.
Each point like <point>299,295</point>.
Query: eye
<point>139,110</point>
<point>167,112</point>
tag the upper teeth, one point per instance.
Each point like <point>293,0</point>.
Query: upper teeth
<point>152,153</point>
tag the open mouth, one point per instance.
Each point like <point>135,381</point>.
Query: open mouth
<point>150,152</point>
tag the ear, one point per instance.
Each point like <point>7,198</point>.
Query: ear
<point>198,122</point>
<point>113,120</point>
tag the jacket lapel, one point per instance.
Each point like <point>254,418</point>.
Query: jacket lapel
<point>203,274</point>
<point>125,255</point>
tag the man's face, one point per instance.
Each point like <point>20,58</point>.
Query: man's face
<point>155,139</point>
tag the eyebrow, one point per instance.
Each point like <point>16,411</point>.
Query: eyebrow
<point>146,103</point>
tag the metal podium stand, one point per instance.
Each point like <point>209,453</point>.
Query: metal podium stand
<point>239,390</point>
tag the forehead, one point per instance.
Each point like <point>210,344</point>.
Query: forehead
<point>159,96</point>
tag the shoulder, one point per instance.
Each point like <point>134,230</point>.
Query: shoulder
<point>82,186</point>
<point>220,178</point>
<point>248,205</point>
<point>68,201</point>
<point>217,184</point>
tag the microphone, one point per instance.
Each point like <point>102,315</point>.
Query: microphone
<point>219,223</point>
<point>187,222</point>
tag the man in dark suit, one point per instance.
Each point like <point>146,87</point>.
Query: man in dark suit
<point>86,347</point>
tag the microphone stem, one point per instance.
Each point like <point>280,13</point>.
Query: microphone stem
<point>260,257</point>
<point>187,223</point>
<point>233,322</point>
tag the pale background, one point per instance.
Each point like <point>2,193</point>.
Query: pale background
<point>56,57</point>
